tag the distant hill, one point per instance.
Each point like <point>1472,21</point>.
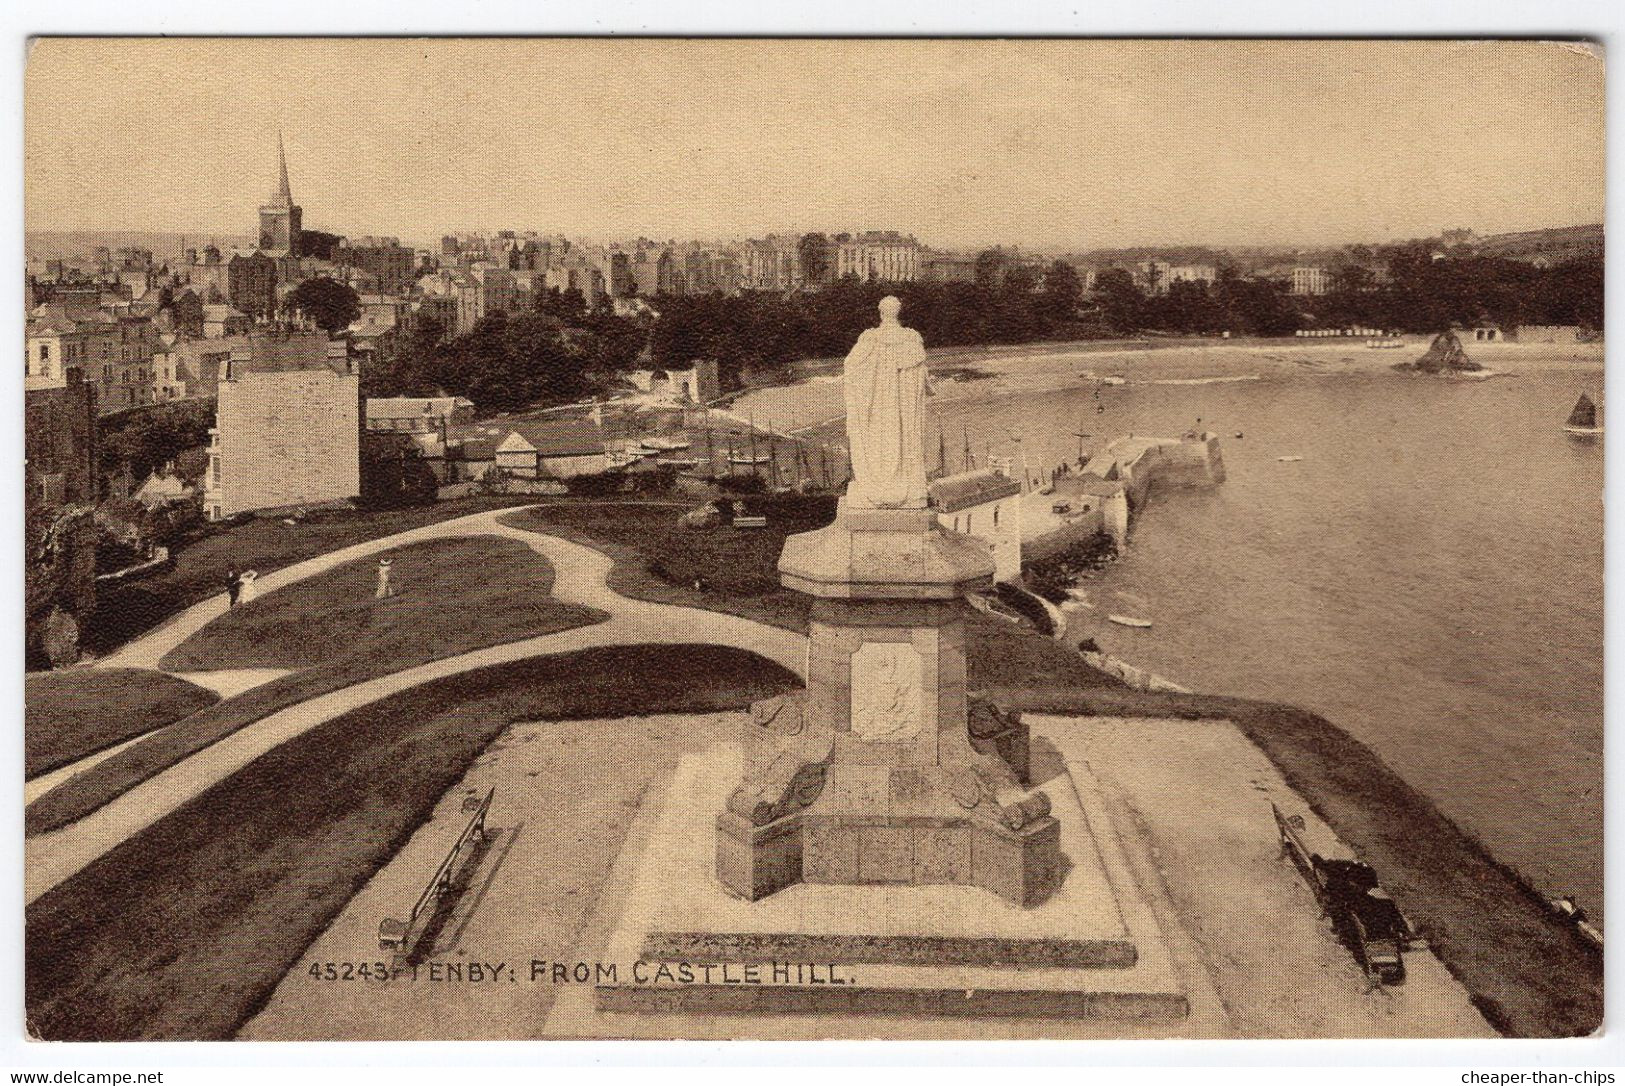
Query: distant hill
<point>66,244</point>
<point>1552,246</point>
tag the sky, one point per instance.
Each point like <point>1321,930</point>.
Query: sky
<point>1062,145</point>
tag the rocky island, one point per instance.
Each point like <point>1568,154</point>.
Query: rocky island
<point>1444,355</point>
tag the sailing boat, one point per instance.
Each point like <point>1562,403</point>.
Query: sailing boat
<point>1583,419</point>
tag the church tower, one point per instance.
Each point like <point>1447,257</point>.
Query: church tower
<point>280,217</point>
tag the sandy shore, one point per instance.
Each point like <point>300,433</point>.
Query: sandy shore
<point>810,403</point>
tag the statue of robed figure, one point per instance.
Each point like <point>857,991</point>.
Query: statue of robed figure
<point>885,415</point>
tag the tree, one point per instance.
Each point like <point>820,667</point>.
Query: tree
<point>328,302</point>
<point>990,264</point>
<point>815,258</point>
<point>1122,303</point>
<point>318,244</point>
<point>1063,290</point>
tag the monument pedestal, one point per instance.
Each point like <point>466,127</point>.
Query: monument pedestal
<point>815,959</point>
<point>881,772</point>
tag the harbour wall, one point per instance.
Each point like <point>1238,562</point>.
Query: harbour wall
<point>1139,465</point>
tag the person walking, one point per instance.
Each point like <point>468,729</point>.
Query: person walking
<point>233,586</point>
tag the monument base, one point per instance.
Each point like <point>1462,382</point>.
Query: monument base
<point>1020,865</point>
<point>883,772</point>
<point>684,946</point>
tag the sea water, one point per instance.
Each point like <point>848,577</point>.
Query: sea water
<point>1429,576</point>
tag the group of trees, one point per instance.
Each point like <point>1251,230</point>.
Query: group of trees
<point>555,354</point>
<point>768,329</point>
<point>1235,304</point>
<point>1421,294</point>
<point>1417,294</point>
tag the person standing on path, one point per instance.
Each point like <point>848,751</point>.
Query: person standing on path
<point>385,589</point>
<point>233,585</point>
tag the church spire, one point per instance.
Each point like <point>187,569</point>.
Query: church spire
<point>283,195</point>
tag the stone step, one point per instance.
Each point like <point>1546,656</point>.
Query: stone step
<point>943,998</point>
<point>767,948</point>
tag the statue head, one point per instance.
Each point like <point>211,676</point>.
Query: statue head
<point>889,308</point>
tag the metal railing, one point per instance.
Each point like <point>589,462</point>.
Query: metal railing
<point>398,935</point>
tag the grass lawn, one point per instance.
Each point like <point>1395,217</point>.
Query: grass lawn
<point>453,595</point>
<point>658,560</point>
<point>71,714</point>
<point>128,610</point>
<point>183,931</point>
<point>460,594</point>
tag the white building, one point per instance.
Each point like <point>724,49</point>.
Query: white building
<point>884,257</point>
<point>985,504</point>
<point>287,433</point>
<point>1311,281</point>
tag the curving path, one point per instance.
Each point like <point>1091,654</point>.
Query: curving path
<point>580,577</point>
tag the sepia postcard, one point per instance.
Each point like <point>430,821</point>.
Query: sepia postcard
<point>813,539</point>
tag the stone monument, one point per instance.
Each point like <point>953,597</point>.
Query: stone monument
<point>883,771</point>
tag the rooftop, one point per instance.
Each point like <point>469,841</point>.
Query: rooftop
<point>952,493</point>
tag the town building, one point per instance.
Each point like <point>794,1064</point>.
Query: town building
<point>771,263</point>
<point>948,267</point>
<point>287,429</point>
<point>553,448</point>
<point>878,256</point>
<point>1312,281</point>
<point>984,503</point>
<point>700,383</point>
<point>427,420</point>
<point>114,351</point>
<point>251,280</point>
<point>386,260</point>
<point>1192,273</point>
<point>221,320</point>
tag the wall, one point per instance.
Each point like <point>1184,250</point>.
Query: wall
<point>288,438</point>
<point>996,523</point>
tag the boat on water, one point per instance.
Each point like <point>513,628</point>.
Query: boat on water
<point>1583,419</point>
<point>746,458</point>
<point>665,444</point>
<point>681,463</point>
<point>1130,620</point>
<point>1288,459</point>
<point>1114,380</point>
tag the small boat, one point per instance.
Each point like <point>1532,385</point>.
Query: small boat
<point>746,458</point>
<point>681,463</point>
<point>1288,459</point>
<point>1130,620</point>
<point>1114,380</point>
<point>1583,419</point>
<point>665,444</point>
